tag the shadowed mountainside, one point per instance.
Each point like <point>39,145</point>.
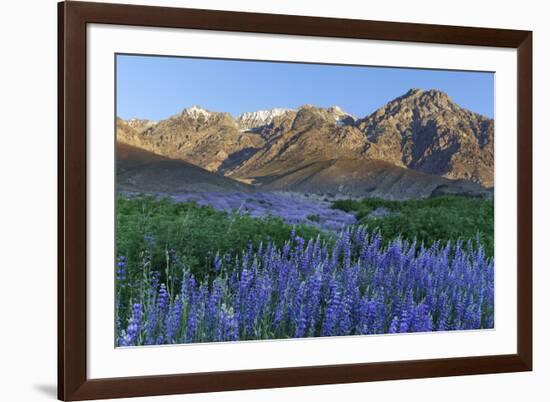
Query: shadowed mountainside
<point>428,132</point>
<point>143,171</point>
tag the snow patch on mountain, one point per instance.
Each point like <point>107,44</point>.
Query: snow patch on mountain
<point>196,112</point>
<point>140,124</point>
<point>341,117</point>
<point>260,118</point>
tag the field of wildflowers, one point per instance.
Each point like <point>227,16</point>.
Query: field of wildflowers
<point>350,283</point>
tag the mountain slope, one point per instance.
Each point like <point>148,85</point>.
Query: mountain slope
<point>140,125</point>
<point>310,134</point>
<point>422,131</point>
<point>367,178</point>
<point>428,132</point>
<point>198,136</point>
<point>143,171</point>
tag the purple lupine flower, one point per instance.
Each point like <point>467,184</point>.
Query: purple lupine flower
<point>152,317</point>
<point>121,269</point>
<point>191,325</point>
<point>314,285</point>
<point>300,312</point>
<point>381,314</point>
<point>346,249</point>
<point>394,326</point>
<point>134,326</point>
<point>332,311</point>
<point>173,320</point>
<point>345,324</point>
<point>162,299</point>
<point>443,323</point>
<point>311,288</point>
<point>407,313</point>
<point>459,309</point>
<point>231,326</point>
<point>361,327</point>
<point>157,315</point>
<point>212,305</point>
<point>422,321</point>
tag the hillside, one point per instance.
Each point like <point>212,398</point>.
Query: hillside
<point>143,171</point>
<point>367,178</point>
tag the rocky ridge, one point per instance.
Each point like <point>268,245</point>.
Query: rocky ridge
<point>424,131</point>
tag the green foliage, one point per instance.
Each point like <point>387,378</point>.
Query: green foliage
<point>429,220</point>
<point>192,233</point>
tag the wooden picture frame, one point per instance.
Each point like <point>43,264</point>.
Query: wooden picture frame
<point>73,17</point>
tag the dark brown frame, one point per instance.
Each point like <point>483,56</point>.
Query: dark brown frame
<point>73,383</point>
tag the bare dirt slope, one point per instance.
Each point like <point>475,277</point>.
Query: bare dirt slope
<point>143,171</point>
<point>367,178</point>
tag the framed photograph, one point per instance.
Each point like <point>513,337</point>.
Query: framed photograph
<point>254,200</point>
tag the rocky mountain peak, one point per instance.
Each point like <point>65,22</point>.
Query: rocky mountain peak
<point>412,92</point>
<point>258,119</point>
<point>416,104</point>
<point>423,98</point>
<point>140,125</point>
<point>336,109</point>
<point>423,130</point>
<point>340,116</point>
<point>309,114</point>
<point>196,112</point>
<point>197,118</point>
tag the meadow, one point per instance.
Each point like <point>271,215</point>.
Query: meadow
<point>428,220</point>
<point>191,273</point>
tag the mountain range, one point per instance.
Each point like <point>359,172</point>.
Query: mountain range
<point>417,145</point>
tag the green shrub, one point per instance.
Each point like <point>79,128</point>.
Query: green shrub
<point>428,220</point>
<point>156,229</point>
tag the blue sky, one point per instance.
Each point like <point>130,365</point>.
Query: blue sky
<point>155,88</point>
